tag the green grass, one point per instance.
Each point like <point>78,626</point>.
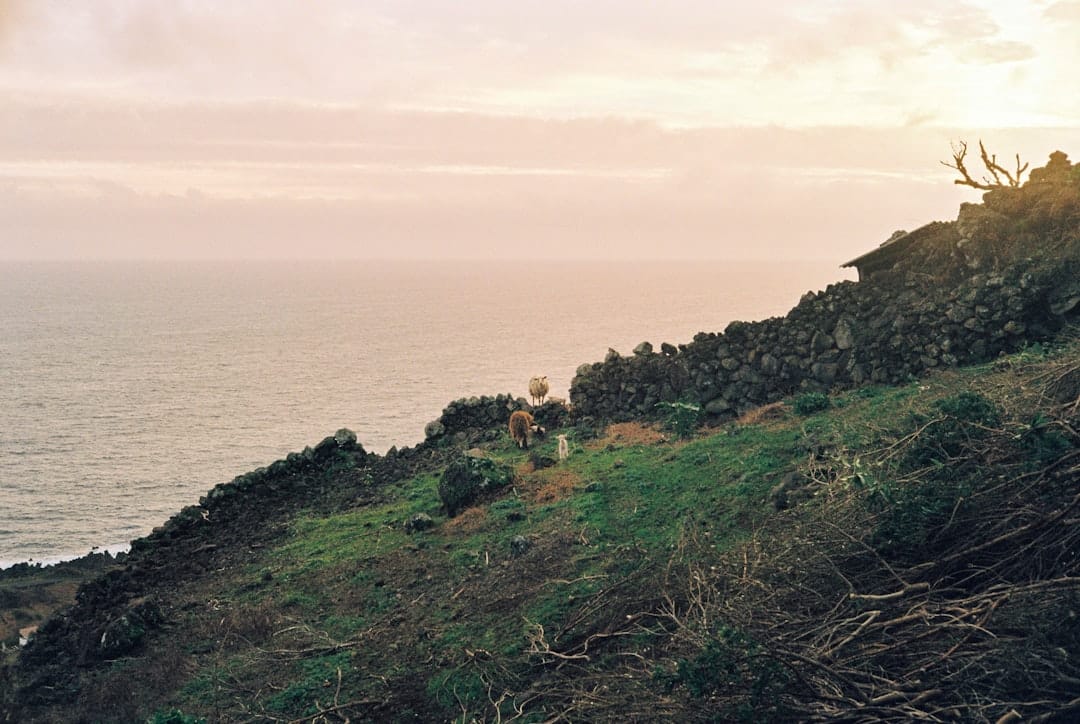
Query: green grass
<point>314,683</point>
<point>321,541</point>
<point>350,573</point>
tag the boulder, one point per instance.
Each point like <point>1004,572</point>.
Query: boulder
<point>844,334</point>
<point>824,372</point>
<point>519,545</point>
<point>126,632</point>
<point>345,438</point>
<point>419,522</point>
<point>717,407</point>
<point>820,342</point>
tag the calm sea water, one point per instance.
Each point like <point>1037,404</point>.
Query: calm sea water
<point>129,389</point>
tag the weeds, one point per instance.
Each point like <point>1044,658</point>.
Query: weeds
<point>809,403</point>
<point>682,418</point>
<point>174,716</point>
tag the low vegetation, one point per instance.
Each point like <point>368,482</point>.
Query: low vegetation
<point>927,570</point>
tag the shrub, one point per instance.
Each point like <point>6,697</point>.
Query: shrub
<point>467,478</point>
<point>174,716</point>
<point>810,402</point>
<point>1043,443</point>
<point>966,419</point>
<point>913,516</point>
<point>732,664</point>
<point>682,417</point>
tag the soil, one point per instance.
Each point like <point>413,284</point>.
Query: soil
<point>630,433</point>
<point>550,485</point>
<point>772,412</point>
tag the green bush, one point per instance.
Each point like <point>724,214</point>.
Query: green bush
<point>946,443</point>
<point>913,516</point>
<point>810,402</point>
<point>733,664</point>
<point>1043,443</point>
<point>174,716</point>
<point>682,417</point>
<point>310,684</point>
<point>467,478</point>
<point>970,407</point>
<point>921,513</point>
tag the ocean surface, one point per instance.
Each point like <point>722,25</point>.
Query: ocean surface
<point>129,389</point>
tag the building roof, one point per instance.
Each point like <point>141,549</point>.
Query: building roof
<point>895,245</point>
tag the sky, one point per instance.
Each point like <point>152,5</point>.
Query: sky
<point>490,129</point>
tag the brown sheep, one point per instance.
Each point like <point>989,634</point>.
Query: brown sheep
<point>521,424</point>
<point>538,389</point>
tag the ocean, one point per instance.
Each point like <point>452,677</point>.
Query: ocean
<point>129,389</point>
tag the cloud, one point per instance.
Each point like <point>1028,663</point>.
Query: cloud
<point>412,127</point>
<point>1064,10</point>
<point>15,16</point>
<point>691,62</point>
<point>999,51</point>
<point>274,179</point>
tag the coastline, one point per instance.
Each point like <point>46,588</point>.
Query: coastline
<point>116,551</point>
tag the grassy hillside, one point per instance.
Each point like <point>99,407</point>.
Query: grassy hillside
<point>900,553</point>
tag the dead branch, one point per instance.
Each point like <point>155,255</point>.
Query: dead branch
<point>905,591</point>
<point>537,645</point>
<point>997,171</point>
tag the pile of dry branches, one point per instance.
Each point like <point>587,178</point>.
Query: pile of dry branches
<point>982,625</point>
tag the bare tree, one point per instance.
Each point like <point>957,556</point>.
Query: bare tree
<point>1000,176</point>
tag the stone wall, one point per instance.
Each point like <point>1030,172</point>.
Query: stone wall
<point>881,331</point>
<point>461,419</point>
<point>475,419</point>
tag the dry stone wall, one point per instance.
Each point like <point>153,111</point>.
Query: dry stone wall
<point>884,331</point>
<point>471,420</point>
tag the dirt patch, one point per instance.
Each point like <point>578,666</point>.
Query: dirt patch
<point>552,485</point>
<point>630,433</point>
<point>766,413</point>
<point>467,521</point>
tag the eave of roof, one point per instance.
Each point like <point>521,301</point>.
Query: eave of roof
<point>891,245</point>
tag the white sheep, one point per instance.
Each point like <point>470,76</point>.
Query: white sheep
<point>564,448</point>
<point>538,389</point>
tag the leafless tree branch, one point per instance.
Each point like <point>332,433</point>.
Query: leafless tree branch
<point>1000,177</point>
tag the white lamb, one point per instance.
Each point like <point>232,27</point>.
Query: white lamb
<point>538,389</point>
<point>564,448</point>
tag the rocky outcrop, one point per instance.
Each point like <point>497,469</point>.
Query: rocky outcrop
<point>337,451</point>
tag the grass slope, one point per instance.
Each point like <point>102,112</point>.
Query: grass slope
<point>924,565</point>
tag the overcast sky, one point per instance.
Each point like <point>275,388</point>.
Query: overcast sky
<point>808,129</point>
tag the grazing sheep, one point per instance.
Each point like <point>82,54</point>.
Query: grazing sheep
<point>564,448</point>
<point>521,424</point>
<point>538,389</point>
